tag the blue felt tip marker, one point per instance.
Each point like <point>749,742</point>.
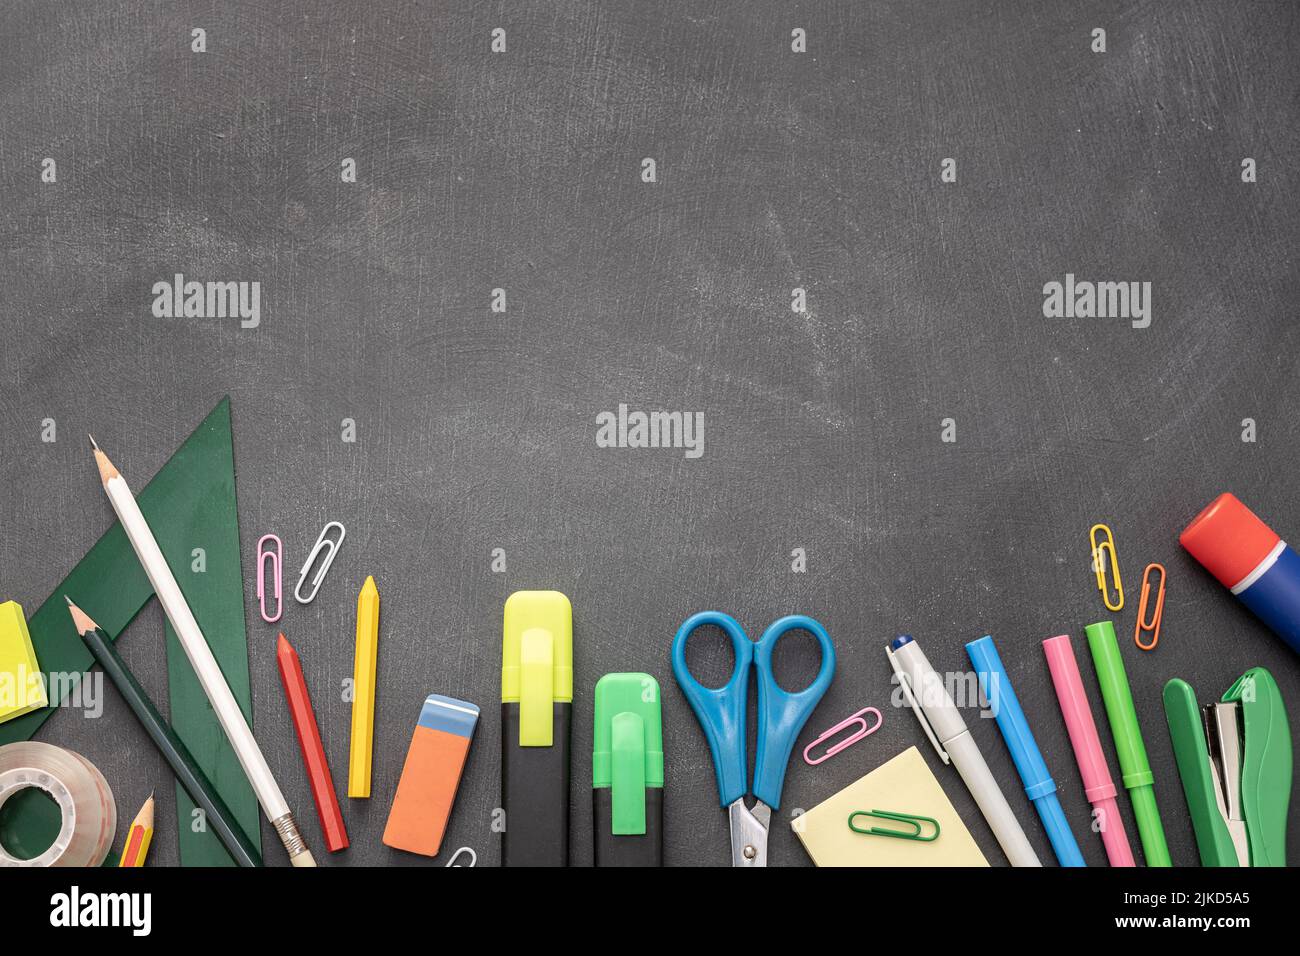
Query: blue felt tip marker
<point>1039,784</point>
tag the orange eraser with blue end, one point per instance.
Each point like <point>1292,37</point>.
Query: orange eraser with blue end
<point>431,775</point>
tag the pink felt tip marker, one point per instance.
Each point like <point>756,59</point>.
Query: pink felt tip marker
<point>1098,786</point>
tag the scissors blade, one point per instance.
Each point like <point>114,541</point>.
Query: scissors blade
<point>749,833</point>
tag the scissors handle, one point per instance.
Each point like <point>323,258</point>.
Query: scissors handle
<point>781,715</point>
<point>720,710</point>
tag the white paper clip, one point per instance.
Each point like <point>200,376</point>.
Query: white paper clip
<point>473,857</point>
<point>324,541</point>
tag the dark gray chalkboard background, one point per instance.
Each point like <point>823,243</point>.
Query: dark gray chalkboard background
<point>477,430</point>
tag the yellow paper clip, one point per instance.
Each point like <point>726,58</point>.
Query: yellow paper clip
<point>1099,567</point>
<point>1151,627</point>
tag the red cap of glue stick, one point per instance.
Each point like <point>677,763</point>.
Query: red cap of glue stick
<point>1228,539</point>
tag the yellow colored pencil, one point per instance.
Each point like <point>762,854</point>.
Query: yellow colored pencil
<point>138,836</point>
<point>363,690</point>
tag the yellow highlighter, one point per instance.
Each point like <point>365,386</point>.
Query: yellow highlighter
<point>363,690</point>
<point>18,667</point>
<point>536,715</point>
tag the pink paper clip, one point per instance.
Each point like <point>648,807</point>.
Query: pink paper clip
<point>848,741</point>
<point>277,577</point>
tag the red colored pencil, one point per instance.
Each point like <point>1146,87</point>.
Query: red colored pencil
<point>313,752</point>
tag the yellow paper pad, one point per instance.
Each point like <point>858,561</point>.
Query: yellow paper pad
<point>903,785</point>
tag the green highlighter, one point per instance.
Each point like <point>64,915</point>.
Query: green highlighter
<point>1234,757</point>
<point>1132,753</point>
<point>627,769</point>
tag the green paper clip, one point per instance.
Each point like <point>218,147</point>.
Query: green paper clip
<point>911,818</point>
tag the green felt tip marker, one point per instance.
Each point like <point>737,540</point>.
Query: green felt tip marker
<point>1132,753</point>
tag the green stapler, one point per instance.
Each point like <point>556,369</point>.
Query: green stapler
<point>1235,761</point>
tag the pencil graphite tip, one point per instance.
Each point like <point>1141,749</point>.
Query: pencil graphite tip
<point>69,600</point>
<point>93,444</point>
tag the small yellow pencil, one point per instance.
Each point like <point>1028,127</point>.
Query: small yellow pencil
<point>363,690</point>
<point>138,836</point>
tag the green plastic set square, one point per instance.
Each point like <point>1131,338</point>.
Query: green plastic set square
<point>190,504</point>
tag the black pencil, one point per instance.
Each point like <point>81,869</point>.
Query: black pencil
<point>192,778</point>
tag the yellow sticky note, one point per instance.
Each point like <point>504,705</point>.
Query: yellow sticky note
<point>21,687</point>
<point>903,785</point>
<point>363,691</point>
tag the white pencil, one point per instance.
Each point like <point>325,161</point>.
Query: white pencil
<point>200,656</point>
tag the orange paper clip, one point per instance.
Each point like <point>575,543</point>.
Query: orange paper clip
<point>1151,627</point>
<point>1107,543</point>
<point>850,740</point>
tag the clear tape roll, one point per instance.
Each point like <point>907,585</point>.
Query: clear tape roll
<point>89,814</point>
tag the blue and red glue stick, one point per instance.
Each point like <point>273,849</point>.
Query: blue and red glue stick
<point>1251,561</point>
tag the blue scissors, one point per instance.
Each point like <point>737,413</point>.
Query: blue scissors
<point>722,711</point>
